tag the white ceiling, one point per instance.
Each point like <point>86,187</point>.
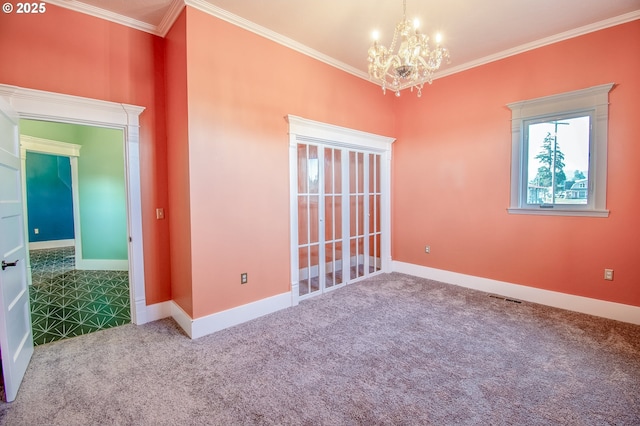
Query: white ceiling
<point>339,31</point>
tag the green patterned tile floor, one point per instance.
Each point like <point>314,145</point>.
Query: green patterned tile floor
<point>66,302</point>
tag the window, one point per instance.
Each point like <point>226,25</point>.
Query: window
<point>559,154</point>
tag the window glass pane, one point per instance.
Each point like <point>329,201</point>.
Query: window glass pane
<point>558,161</point>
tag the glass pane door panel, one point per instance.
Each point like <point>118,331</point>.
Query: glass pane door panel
<point>372,213</point>
<point>329,218</point>
<point>360,171</point>
<point>352,172</point>
<point>360,215</point>
<point>377,209</point>
<point>353,215</point>
<point>357,258</point>
<point>313,168</point>
<point>337,171</point>
<point>338,274</point>
<point>303,220</point>
<point>303,262</point>
<point>338,217</point>
<point>329,171</point>
<point>314,222</point>
<point>375,263</point>
<point>314,271</point>
<point>303,176</point>
<point>330,266</point>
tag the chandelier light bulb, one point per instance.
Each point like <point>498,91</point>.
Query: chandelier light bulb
<point>416,23</point>
<point>438,38</point>
<point>375,35</point>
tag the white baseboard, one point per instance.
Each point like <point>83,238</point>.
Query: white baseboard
<point>585,305</point>
<point>158,311</point>
<point>200,327</point>
<point>101,265</point>
<point>39,245</point>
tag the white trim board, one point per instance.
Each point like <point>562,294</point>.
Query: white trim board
<point>203,326</point>
<point>585,305</point>
<point>102,264</point>
<point>159,311</point>
<point>40,245</point>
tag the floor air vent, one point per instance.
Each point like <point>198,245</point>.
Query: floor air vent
<point>506,299</point>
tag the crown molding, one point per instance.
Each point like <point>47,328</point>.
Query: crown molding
<point>202,5</point>
<point>576,32</point>
<point>217,12</point>
<point>170,17</point>
<point>105,14</point>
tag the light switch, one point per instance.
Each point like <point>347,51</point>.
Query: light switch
<point>160,213</point>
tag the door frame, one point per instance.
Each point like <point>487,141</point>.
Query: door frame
<point>308,131</point>
<point>50,147</point>
<point>48,106</point>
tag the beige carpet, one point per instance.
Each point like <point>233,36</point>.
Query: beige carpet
<point>393,349</point>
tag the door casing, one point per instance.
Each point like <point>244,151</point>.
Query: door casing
<point>49,106</point>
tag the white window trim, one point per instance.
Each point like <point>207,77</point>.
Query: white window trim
<point>595,99</point>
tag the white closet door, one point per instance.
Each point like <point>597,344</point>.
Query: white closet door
<point>338,217</point>
<point>340,185</point>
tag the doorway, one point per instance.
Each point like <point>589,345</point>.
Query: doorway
<point>76,226</point>
<point>340,210</point>
<point>55,107</point>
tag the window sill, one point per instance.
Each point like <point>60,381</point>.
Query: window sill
<point>559,212</point>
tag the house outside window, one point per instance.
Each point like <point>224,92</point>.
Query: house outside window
<point>559,154</point>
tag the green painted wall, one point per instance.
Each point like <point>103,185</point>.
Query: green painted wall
<point>102,187</point>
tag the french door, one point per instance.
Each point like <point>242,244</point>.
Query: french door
<point>340,232</point>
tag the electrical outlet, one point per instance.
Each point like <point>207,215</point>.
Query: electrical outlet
<point>243,278</point>
<point>427,249</point>
<point>608,274</point>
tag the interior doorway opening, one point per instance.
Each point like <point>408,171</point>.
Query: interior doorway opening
<point>54,107</point>
<point>76,227</point>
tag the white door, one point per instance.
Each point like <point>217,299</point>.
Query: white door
<point>16,341</point>
<point>339,217</point>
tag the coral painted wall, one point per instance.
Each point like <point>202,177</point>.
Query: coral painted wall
<point>451,173</point>
<point>68,52</point>
<point>238,152</point>
<point>178,166</point>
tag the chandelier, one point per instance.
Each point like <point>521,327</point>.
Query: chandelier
<point>414,62</point>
